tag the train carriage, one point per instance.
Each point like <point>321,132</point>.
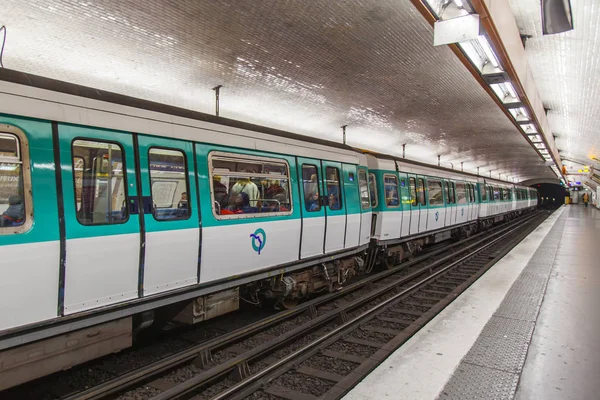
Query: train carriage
<point>114,207</point>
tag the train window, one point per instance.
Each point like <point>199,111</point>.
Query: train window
<point>436,197</point>
<point>447,191</point>
<point>413,192</point>
<point>373,190</point>
<point>497,195</point>
<point>310,183</point>
<point>472,191</point>
<point>248,186</point>
<point>101,190</point>
<point>334,189</point>
<point>390,183</point>
<point>461,194</point>
<point>483,190</point>
<point>421,192</point>
<point>364,189</point>
<point>15,184</point>
<point>168,184</point>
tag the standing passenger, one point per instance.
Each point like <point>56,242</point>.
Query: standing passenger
<point>586,198</point>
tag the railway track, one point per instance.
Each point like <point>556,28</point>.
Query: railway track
<point>260,360</point>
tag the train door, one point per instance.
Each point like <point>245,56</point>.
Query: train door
<point>483,199</point>
<point>462,210</point>
<point>406,204</point>
<point>170,214</point>
<point>422,198</point>
<point>103,236</point>
<point>450,217</point>
<point>312,240</point>
<point>414,205</point>
<point>335,213</point>
<point>436,210</point>
<point>365,206</point>
<point>352,204</point>
<point>29,230</point>
<point>471,199</point>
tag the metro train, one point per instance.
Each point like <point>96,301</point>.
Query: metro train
<point>113,209</point>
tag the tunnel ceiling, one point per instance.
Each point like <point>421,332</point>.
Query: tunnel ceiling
<point>565,67</point>
<point>307,67</point>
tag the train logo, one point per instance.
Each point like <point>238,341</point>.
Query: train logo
<point>437,215</point>
<point>259,239</point>
<point>462,212</point>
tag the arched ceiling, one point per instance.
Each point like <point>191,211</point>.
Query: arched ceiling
<point>307,67</point>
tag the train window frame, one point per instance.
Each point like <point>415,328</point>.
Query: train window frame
<point>328,170</point>
<point>241,157</point>
<point>363,178</point>
<point>435,181</point>
<point>412,189</point>
<point>483,192</point>
<point>397,190</point>
<point>187,184</point>
<point>125,179</point>
<point>304,188</point>
<point>374,183</point>
<point>22,157</point>
<point>421,183</point>
<point>464,192</point>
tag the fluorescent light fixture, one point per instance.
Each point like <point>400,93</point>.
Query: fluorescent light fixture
<point>511,89</point>
<point>459,3</point>
<point>529,128</point>
<point>535,138</point>
<point>472,54</point>
<point>519,114</point>
<point>503,93</point>
<point>488,51</point>
<point>540,146</point>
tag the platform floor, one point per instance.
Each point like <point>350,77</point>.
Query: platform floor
<point>528,329</point>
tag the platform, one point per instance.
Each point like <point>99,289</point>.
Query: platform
<point>527,329</point>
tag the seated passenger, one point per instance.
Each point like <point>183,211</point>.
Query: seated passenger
<point>333,202</point>
<point>391,197</point>
<point>220,190</point>
<point>312,202</point>
<point>238,204</point>
<point>14,214</point>
<point>183,202</point>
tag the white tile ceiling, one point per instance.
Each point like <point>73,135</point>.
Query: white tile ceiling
<point>307,67</point>
<point>566,67</point>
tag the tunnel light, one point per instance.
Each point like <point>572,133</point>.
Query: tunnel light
<point>504,93</point>
<point>488,51</point>
<point>511,89</point>
<point>529,129</point>
<point>540,146</point>
<point>472,54</point>
<point>535,138</point>
<point>519,114</point>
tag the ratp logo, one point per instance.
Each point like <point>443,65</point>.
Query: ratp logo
<point>462,212</point>
<point>259,240</point>
<point>437,215</point>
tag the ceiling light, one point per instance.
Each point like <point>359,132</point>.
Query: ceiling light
<point>511,90</point>
<point>535,138</point>
<point>529,128</point>
<point>519,114</point>
<point>540,146</point>
<point>459,3</point>
<point>472,54</point>
<point>488,51</point>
